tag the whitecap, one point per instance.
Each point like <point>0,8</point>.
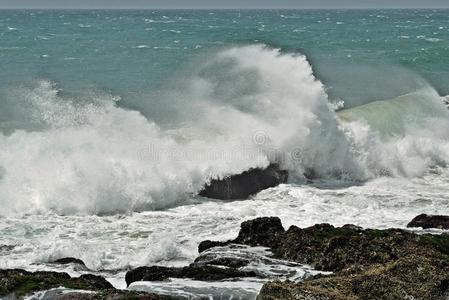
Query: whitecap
<point>141,46</point>
<point>433,40</point>
<point>40,37</point>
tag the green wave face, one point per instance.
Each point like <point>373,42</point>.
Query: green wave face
<point>396,117</point>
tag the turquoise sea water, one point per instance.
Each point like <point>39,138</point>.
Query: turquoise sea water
<point>368,54</point>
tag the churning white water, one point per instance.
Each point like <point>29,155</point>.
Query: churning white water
<point>245,107</point>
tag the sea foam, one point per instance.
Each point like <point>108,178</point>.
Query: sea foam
<point>244,107</point>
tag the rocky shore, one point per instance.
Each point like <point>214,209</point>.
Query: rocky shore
<point>17,284</point>
<point>360,264</point>
<point>366,263</point>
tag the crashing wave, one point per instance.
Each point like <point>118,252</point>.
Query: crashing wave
<point>245,107</point>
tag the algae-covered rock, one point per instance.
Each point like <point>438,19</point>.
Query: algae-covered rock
<point>368,263</point>
<point>330,248</point>
<point>17,283</point>
<point>267,232</point>
<point>21,282</point>
<point>410,277</point>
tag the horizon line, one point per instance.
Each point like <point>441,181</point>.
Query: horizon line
<point>225,8</point>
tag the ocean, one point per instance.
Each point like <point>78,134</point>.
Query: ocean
<point>112,121</point>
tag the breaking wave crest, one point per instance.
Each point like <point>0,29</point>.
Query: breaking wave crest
<point>244,107</point>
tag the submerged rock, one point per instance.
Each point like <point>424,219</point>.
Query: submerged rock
<point>69,260</point>
<point>6,248</point>
<point>193,271</point>
<point>430,221</point>
<point>243,185</point>
<point>230,262</point>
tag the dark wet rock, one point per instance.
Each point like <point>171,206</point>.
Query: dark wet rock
<point>154,273</point>
<point>243,185</point>
<point>204,245</point>
<point>65,295</point>
<point>193,271</point>
<point>286,290</point>
<point>446,101</point>
<point>21,282</point>
<point>266,232</point>
<point>17,283</point>
<point>133,295</point>
<point>430,221</point>
<point>69,260</point>
<point>5,248</point>
<point>101,295</point>
<point>230,262</point>
<point>410,277</point>
<point>352,226</point>
<point>94,281</point>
